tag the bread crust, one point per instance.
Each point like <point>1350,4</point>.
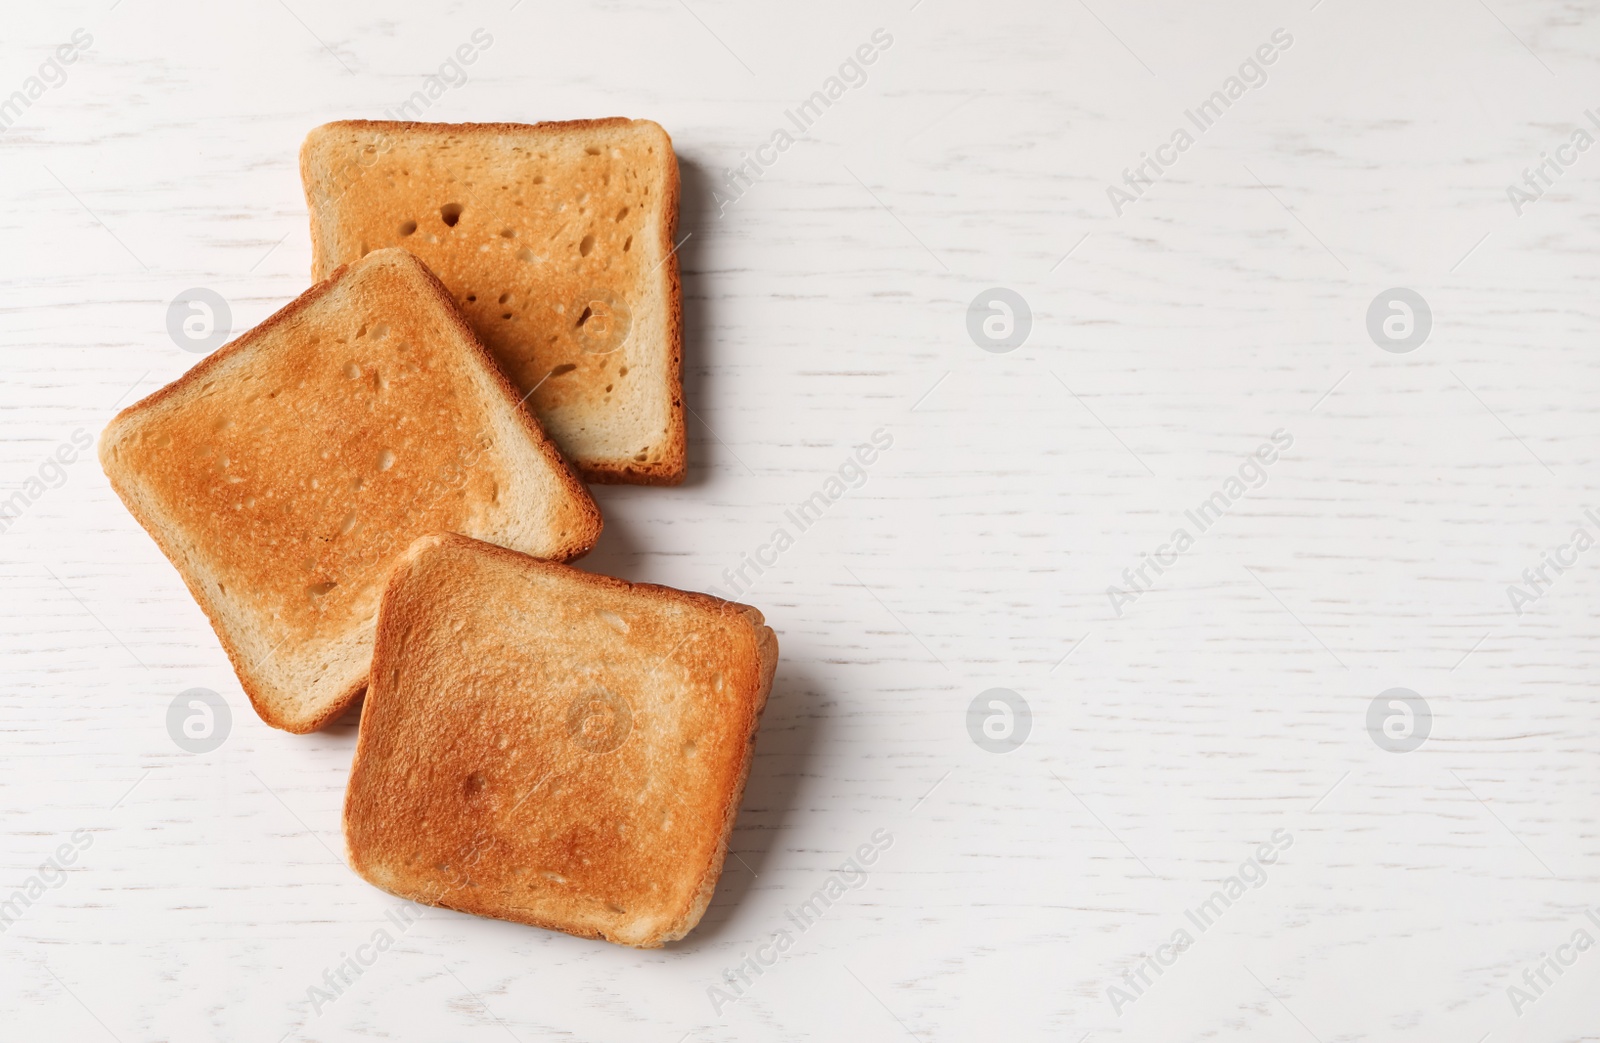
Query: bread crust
<point>767,667</point>
<point>243,667</point>
<point>583,541</point>
<point>377,831</point>
<point>672,466</point>
<point>123,478</point>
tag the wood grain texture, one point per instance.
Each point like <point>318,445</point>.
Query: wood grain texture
<point>829,301</point>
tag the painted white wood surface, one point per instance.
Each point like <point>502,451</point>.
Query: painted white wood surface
<point>830,300</point>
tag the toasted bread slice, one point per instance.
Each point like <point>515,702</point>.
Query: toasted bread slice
<point>552,747</point>
<point>285,474</point>
<point>556,240</point>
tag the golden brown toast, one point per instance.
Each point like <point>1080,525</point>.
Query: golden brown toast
<point>552,747</point>
<point>556,240</point>
<point>285,474</point>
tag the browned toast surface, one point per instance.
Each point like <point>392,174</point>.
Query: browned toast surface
<point>285,473</point>
<point>556,240</point>
<point>547,746</point>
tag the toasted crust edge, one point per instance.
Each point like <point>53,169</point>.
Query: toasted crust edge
<point>389,632</point>
<point>589,522</point>
<point>673,467</point>
<point>121,481</point>
<point>767,666</point>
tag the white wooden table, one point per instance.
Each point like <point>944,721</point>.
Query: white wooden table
<point>1218,704</point>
